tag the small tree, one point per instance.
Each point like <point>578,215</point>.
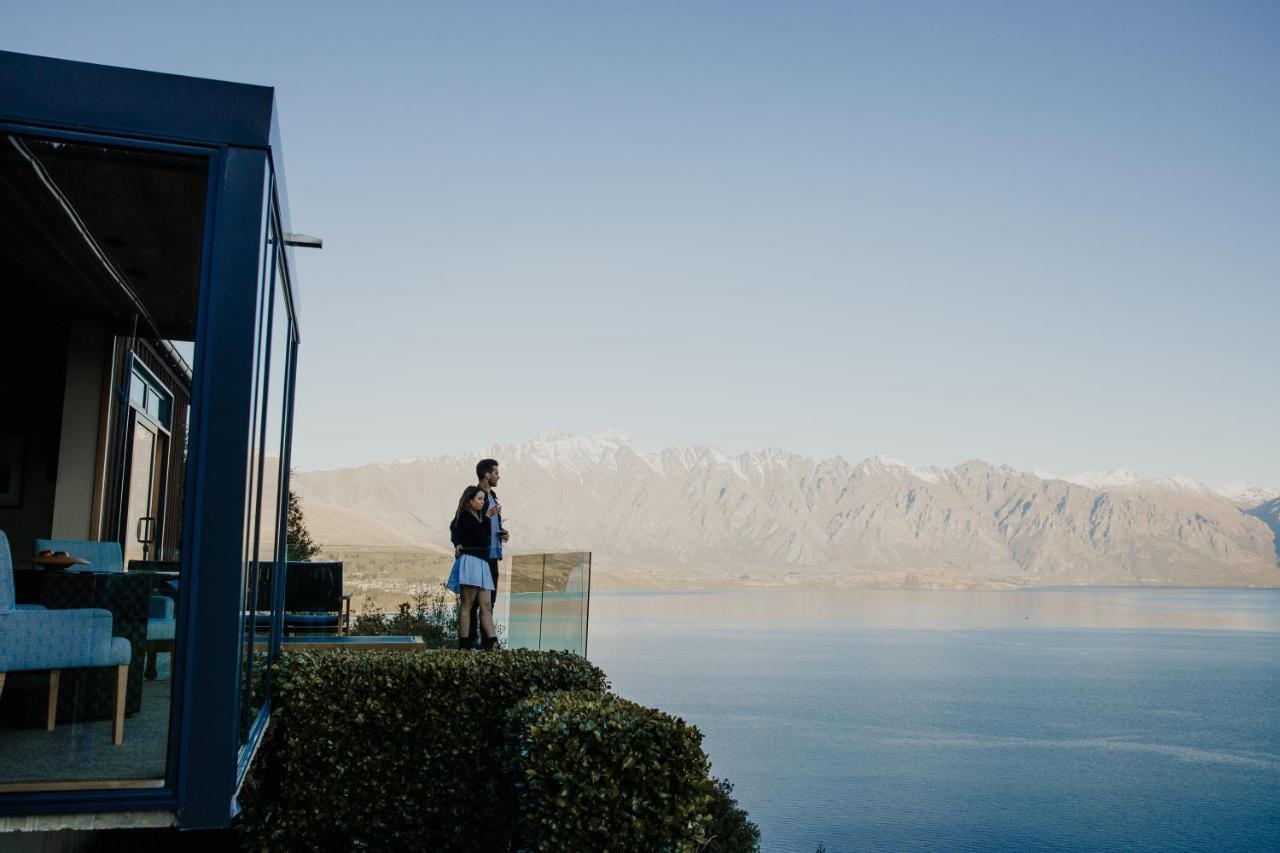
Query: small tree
<point>298,543</point>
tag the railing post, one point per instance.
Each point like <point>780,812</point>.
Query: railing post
<point>542,599</point>
<point>586,624</point>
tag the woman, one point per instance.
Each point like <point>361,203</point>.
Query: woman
<point>470,577</point>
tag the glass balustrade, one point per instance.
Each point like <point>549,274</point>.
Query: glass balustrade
<point>543,598</point>
<point>548,603</point>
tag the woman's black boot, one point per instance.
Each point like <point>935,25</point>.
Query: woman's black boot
<point>490,642</point>
<point>464,642</point>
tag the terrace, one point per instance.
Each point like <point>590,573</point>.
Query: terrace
<point>543,598</point>
<point>543,605</point>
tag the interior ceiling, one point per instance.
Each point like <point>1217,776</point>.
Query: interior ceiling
<point>106,232</point>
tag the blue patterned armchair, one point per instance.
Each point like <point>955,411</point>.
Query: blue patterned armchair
<point>36,639</point>
<point>108,557</point>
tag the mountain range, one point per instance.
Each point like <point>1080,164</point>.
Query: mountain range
<point>697,516</point>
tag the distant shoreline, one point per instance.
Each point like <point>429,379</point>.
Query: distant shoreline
<point>1081,588</point>
<point>386,575</point>
<point>605,580</point>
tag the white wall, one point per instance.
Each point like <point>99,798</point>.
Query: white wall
<point>88,356</point>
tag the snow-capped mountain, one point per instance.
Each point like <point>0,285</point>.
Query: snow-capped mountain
<point>879,521</point>
<point>1246,494</point>
<point>1103,479</point>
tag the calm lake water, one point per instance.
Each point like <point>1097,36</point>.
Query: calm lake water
<point>1047,720</point>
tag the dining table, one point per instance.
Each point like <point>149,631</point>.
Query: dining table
<point>55,562</point>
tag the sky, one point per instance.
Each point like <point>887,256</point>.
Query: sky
<point>1041,234</point>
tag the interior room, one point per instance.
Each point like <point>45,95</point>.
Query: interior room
<point>100,256</point>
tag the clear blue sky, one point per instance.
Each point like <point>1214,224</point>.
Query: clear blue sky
<point>1046,234</point>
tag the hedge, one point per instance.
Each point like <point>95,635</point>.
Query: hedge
<point>396,751</point>
<point>731,829</point>
<point>596,772</point>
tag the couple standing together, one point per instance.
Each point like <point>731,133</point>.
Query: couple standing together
<point>477,535</point>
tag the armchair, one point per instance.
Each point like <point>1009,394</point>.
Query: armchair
<point>38,639</point>
<point>314,602</point>
<point>108,557</point>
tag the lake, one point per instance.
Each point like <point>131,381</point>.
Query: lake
<point>1073,720</point>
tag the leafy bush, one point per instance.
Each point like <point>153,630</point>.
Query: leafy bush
<point>432,615</point>
<point>396,750</point>
<point>596,772</point>
<point>730,829</point>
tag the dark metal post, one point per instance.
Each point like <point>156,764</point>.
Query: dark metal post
<point>215,521</point>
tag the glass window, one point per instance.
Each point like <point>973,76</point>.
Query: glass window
<point>274,476</point>
<point>265,538</point>
<point>101,256</point>
<point>149,394</point>
<point>258,580</point>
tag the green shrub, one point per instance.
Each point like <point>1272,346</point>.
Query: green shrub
<point>432,614</point>
<point>595,772</point>
<point>477,751</point>
<point>395,750</point>
<point>730,829</point>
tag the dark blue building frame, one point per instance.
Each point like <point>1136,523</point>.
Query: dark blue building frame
<point>235,127</point>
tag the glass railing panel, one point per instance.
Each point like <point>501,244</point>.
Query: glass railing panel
<point>523,610</point>
<point>543,599</point>
<point>565,581</point>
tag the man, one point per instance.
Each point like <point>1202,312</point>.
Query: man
<point>487,476</point>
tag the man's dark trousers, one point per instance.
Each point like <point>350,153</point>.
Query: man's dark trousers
<point>475,608</point>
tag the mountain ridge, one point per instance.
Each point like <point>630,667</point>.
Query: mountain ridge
<point>776,516</point>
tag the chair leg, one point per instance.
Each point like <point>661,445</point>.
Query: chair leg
<point>55,675</point>
<point>122,690</point>
<point>154,649</point>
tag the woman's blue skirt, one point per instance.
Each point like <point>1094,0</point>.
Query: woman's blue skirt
<point>469,571</point>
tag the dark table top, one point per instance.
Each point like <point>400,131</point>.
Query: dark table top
<point>51,562</point>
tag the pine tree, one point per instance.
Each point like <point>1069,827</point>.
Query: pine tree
<point>298,543</point>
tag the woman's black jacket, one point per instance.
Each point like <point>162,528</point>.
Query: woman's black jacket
<point>471,533</point>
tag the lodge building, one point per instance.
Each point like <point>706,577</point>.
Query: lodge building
<point>149,301</point>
